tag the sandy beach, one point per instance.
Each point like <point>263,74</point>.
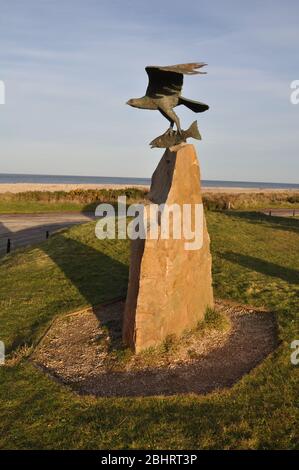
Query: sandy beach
<point>22,187</point>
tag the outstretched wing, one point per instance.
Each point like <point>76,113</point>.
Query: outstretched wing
<point>168,80</point>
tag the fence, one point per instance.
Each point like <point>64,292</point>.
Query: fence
<point>283,212</point>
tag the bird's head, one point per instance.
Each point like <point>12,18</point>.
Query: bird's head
<point>134,102</point>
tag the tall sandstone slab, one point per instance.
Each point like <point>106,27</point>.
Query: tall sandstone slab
<point>169,287</point>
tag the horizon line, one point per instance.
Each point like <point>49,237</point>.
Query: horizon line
<point>142,177</point>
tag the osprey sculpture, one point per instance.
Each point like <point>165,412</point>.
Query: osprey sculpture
<point>164,93</point>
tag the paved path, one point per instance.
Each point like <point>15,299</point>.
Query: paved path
<point>281,212</point>
<point>26,229</point>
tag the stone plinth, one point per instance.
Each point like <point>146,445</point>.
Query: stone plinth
<point>170,287</point>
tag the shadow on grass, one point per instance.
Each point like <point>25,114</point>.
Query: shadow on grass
<point>275,222</point>
<point>98,277</point>
<point>264,267</point>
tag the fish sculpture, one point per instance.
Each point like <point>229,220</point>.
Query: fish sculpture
<point>167,140</point>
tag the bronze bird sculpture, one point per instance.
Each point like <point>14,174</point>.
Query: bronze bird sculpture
<point>164,92</point>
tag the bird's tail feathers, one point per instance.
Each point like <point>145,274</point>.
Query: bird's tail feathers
<point>195,106</point>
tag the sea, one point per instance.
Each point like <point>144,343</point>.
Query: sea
<point>65,179</point>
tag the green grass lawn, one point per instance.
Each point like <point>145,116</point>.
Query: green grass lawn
<point>78,200</point>
<point>255,261</point>
<point>30,207</point>
<point>81,200</point>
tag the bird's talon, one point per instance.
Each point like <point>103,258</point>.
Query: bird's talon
<point>169,131</point>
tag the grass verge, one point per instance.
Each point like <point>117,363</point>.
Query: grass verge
<point>255,261</point>
<point>87,200</point>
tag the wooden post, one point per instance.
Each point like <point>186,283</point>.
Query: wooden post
<point>8,246</point>
<point>47,234</point>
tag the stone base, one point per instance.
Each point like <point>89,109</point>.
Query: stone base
<point>170,287</point>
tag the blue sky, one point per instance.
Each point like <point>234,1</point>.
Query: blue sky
<point>69,66</point>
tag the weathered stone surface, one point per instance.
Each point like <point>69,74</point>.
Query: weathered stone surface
<point>170,287</point>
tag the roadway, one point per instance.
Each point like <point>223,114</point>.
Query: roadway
<point>27,229</point>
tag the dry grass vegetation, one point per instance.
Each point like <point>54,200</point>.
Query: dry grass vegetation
<point>87,200</point>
